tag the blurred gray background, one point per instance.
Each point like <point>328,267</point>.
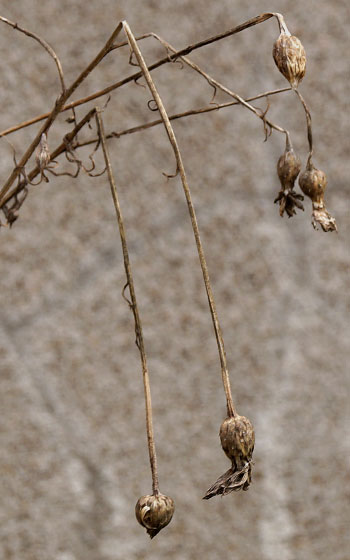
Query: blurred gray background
<point>73,444</point>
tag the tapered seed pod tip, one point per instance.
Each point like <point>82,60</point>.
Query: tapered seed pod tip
<point>290,58</point>
<point>154,512</point>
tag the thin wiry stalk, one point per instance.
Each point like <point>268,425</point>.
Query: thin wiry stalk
<point>176,116</point>
<point>218,85</point>
<point>224,371</point>
<point>308,122</point>
<point>133,306</point>
<point>254,21</point>
<point>43,43</point>
<point>56,110</point>
<point>62,147</point>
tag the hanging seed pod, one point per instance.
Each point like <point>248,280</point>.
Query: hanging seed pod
<point>313,183</point>
<point>290,58</point>
<point>154,512</point>
<point>237,440</point>
<point>288,168</point>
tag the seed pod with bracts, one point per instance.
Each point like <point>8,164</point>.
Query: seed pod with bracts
<point>154,512</point>
<point>290,58</point>
<point>288,168</point>
<point>237,440</point>
<point>313,183</point>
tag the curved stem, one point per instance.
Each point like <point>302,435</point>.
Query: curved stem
<point>224,371</point>
<point>308,122</point>
<point>133,305</point>
<point>218,85</point>
<point>43,43</point>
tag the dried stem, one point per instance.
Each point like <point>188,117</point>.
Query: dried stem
<point>43,43</point>
<point>176,116</point>
<point>55,111</point>
<point>133,306</point>
<point>218,85</point>
<point>254,21</point>
<point>181,169</point>
<point>308,122</point>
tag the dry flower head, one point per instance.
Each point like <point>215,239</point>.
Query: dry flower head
<point>313,183</point>
<point>154,512</point>
<point>290,58</point>
<point>237,440</point>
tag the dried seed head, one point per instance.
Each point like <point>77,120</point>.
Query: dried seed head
<point>288,168</point>
<point>237,439</point>
<point>154,512</point>
<point>313,183</point>
<point>289,56</point>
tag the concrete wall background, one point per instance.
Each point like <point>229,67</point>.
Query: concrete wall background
<point>74,457</point>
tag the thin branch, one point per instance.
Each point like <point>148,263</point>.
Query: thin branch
<point>134,308</point>
<point>308,122</point>
<point>43,43</point>
<point>184,114</point>
<point>180,166</point>
<point>218,85</point>
<point>259,19</point>
<point>56,110</point>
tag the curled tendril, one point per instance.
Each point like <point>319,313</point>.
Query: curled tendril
<point>153,109</point>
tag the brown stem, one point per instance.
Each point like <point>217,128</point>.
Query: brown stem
<point>308,122</point>
<point>133,306</point>
<point>71,135</point>
<point>165,60</point>
<point>180,166</point>
<point>43,43</point>
<point>189,113</point>
<point>55,111</point>
<point>218,85</point>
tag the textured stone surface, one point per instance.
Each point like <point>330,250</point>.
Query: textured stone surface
<point>73,446</point>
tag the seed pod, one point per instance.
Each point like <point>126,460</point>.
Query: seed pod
<point>313,183</point>
<point>154,512</point>
<point>290,58</point>
<point>288,168</point>
<point>237,439</point>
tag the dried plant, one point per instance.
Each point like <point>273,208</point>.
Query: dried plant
<point>236,432</point>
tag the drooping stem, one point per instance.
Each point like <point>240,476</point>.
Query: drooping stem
<point>224,371</point>
<point>308,122</point>
<point>133,305</point>
<point>43,43</point>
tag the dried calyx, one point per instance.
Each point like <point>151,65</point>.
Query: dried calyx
<point>288,168</point>
<point>313,183</point>
<point>237,440</point>
<point>289,55</point>
<point>154,512</point>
